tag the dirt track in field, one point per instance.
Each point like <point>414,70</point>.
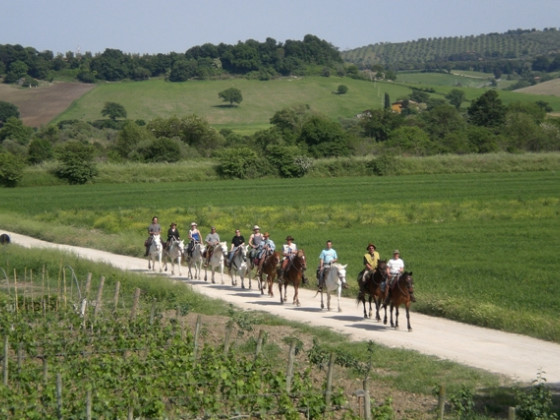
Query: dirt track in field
<point>38,106</point>
<point>515,356</point>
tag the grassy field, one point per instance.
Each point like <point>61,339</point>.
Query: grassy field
<point>482,246</point>
<point>261,99</point>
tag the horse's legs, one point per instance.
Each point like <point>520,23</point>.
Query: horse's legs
<point>296,297</point>
<point>363,299</point>
<point>370,308</point>
<point>339,292</point>
<point>322,303</point>
<point>408,316</point>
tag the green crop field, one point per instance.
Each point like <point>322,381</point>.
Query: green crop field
<point>483,247</point>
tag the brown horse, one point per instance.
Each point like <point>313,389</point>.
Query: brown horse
<point>372,285</point>
<point>293,274</point>
<point>401,293</point>
<point>270,269</point>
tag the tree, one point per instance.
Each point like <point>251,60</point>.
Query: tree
<point>11,169</point>
<point>487,111</point>
<point>7,110</point>
<point>342,89</point>
<point>231,95</point>
<point>77,165</point>
<point>113,110</point>
<point>324,137</point>
<point>455,97</point>
<point>39,151</point>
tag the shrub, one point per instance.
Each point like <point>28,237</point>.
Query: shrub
<point>39,151</point>
<point>536,403</point>
<point>241,163</point>
<point>11,169</point>
<point>77,166</point>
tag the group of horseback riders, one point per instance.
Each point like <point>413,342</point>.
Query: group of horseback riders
<point>260,246</point>
<point>394,268</point>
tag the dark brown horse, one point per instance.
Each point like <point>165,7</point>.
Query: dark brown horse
<point>270,270</point>
<point>293,274</point>
<point>373,285</point>
<point>401,293</point>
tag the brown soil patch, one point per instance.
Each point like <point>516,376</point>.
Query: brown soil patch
<point>551,87</point>
<point>38,106</point>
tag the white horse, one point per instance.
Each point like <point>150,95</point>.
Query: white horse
<point>174,253</point>
<point>195,261</point>
<point>334,278</point>
<point>217,261</point>
<point>238,265</point>
<point>154,253</point>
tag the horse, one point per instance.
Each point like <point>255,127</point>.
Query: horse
<point>216,261</point>
<point>293,274</point>
<point>371,285</point>
<point>238,265</point>
<point>154,253</point>
<point>195,260</point>
<point>251,256</point>
<point>174,253</point>
<point>270,269</point>
<point>401,293</point>
<point>333,279</point>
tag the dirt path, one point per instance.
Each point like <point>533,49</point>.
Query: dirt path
<point>516,356</point>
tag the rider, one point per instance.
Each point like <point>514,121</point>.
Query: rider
<point>266,247</point>
<point>237,241</point>
<point>255,242</point>
<point>194,237</point>
<point>371,258</point>
<point>172,233</point>
<point>153,229</point>
<point>327,257</point>
<point>211,240</point>
<point>289,250</point>
<point>395,267</point>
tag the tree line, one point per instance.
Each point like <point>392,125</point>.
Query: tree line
<point>251,58</point>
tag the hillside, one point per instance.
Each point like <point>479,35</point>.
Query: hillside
<point>513,45</point>
<point>38,106</point>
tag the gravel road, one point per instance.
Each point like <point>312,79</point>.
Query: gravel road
<point>513,355</point>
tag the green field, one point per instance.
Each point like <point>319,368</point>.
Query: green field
<point>482,246</point>
<point>261,99</point>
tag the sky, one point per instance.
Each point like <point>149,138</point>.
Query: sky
<point>163,26</point>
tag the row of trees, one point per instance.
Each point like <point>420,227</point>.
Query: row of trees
<point>298,134</point>
<point>260,59</point>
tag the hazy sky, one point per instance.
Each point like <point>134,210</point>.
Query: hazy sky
<point>142,26</point>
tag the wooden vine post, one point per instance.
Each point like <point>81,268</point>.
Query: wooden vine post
<point>330,373</point>
<point>99,299</point>
<point>290,370</point>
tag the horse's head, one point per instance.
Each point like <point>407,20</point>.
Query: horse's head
<point>382,266</point>
<point>157,242</point>
<point>181,246</point>
<point>222,246</point>
<point>340,271</point>
<point>300,255</point>
<point>408,281</point>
